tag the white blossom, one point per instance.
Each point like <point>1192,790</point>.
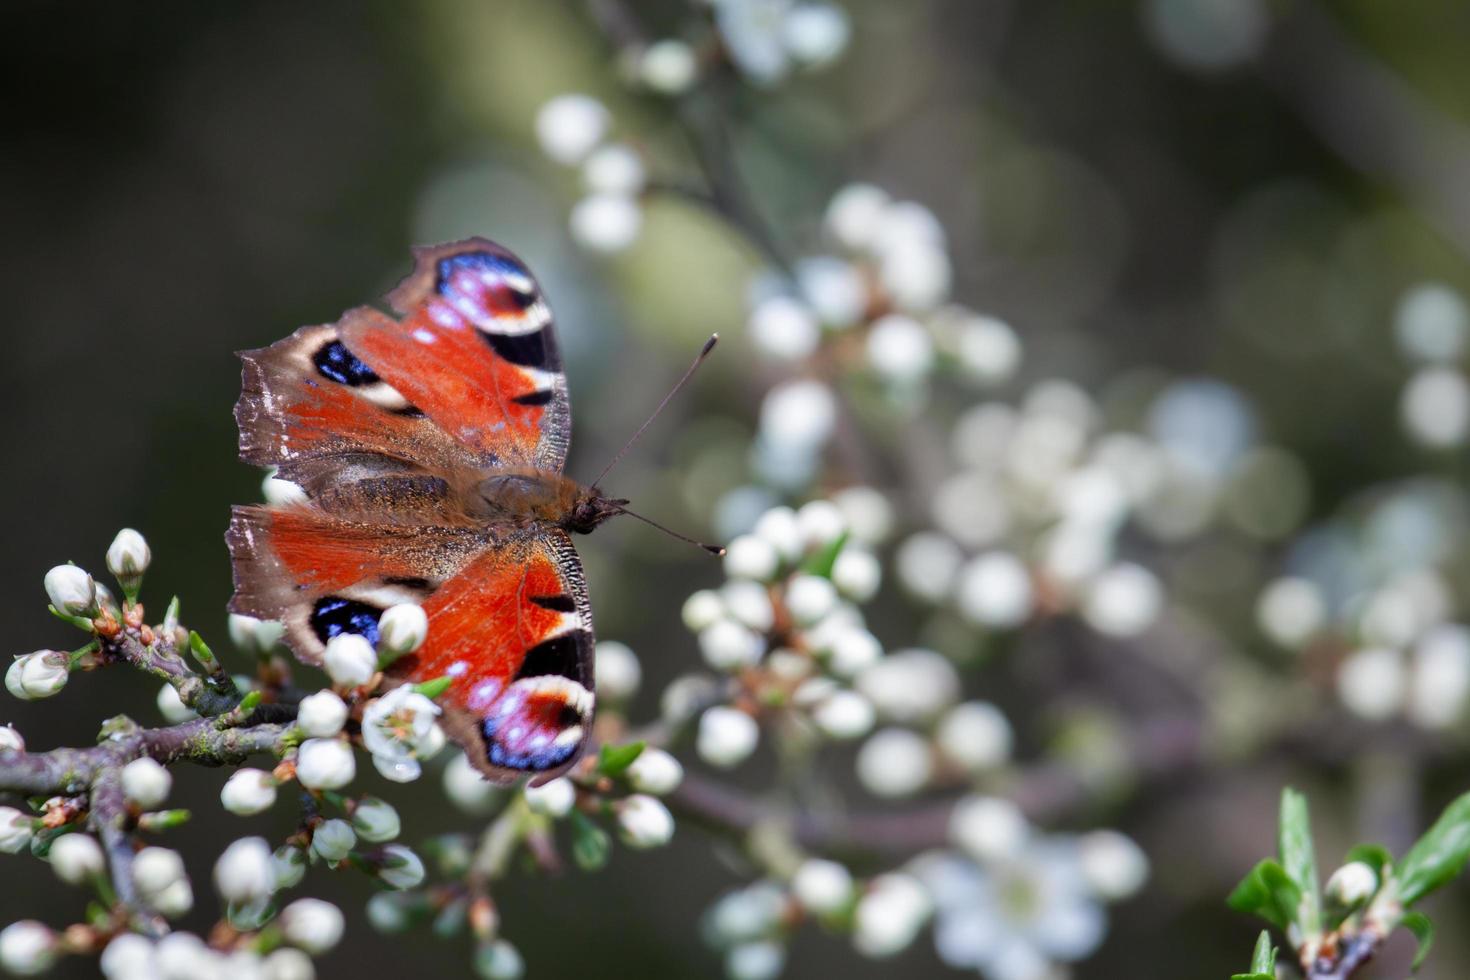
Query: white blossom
<point>174,711</point>
<point>751,557</point>
<point>816,33</point>
<point>1291,610</point>
<point>312,924</point>
<point>401,868</point>
<point>287,964</point>
<point>162,883</point>
<point>1352,884</point>
<point>927,563</point>
<point>668,67</point>
<point>16,830</point>
<point>375,820</point>
<point>128,558</point>
<point>350,660</point>
<point>11,740</point>
<point>243,872</point>
<point>702,609</point>
<point>857,573</point>
<point>895,762</point>
<point>325,763</point>
<point>729,646</point>
<point>617,670</point>
<point>71,590</point>
<point>288,866</point>
<point>33,676</point>
<point>988,828</point>
<point>855,214</point>
<point>851,650</point>
<point>553,798</point>
<point>1439,684</point>
<point>1432,323</point>
<point>820,523</point>
<point>569,126</point>
<point>76,858</point>
<point>146,783</point>
<point>784,328</point>
<point>127,956</point>
<point>889,916</point>
<point>321,715</point>
<point>1113,865</point>
<point>255,635</point>
<point>248,791</point>
<point>822,887</point>
<point>28,948</point>
<point>809,598</point>
<point>332,840</point>
<point>727,736</point>
<point>606,222</point>
<point>1124,601</point>
<point>844,715</point>
<point>655,771</point>
<point>499,960</point>
<point>1372,682</point>
<point>644,822</point>
<point>995,590</point>
<point>976,735</point>
<point>402,629</point>
<point>910,685</point>
<point>749,603</point>
<point>899,349</point>
<point>467,789</point>
<point>399,729</point>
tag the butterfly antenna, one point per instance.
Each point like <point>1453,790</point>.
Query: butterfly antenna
<point>713,549</point>
<point>709,345</point>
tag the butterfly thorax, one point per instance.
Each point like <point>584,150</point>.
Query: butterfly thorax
<point>542,495</point>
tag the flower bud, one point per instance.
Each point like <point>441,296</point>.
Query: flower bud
<point>760,960</point>
<point>333,840</point>
<point>552,799</point>
<point>668,67</point>
<point>401,630</point>
<point>976,735</point>
<point>128,558</point>
<point>569,126</point>
<point>252,635</point>
<point>145,783</point>
<point>604,222</point>
<point>38,675</point>
<point>28,948</point>
<point>1112,865</point>
<point>350,660</point>
<point>499,960</point>
<point>895,762</point>
<point>127,956</point>
<point>387,912</point>
<point>321,715</point>
<point>71,590</point>
<point>325,763</point>
<point>617,671</point>
<point>467,789</point>
<point>312,924</point>
<point>288,866</point>
<point>822,887</point>
<point>243,872</point>
<point>375,820</point>
<point>726,736</point>
<point>161,881</point>
<point>702,609</point>
<point>889,916</point>
<point>16,830</point>
<point>248,792</point>
<point>1352,884</point>
<point>10,739</point>
<point>857,573</point>
<point>174,710</point>
<point>844,715</point>
<point>988,828</point>
<point>76,858</point>
<point>655,771</point>
<point>809,598</point>
<point>751,557</point>
<point>729,646</point>
<point>287,963</point>
<point>400,868</point>
<point>644,822</point>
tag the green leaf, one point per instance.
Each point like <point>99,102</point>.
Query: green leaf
<point>1263,961</point>
<point>822,561</point>
<point>1375,856</point>
<point>1418,923</point>
<point>1268,892</point>
<point>590,843</point>
<point>1298,857</point>
<point>1439,855</point>
<point>614,760</point>
<point>432,689</point>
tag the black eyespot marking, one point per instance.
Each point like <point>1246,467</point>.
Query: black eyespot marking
<point>560,656</point>
<point>333,615</point>
<point>568,716</point>
<point>524,349</point>
<point>407,582</point>
<point>557,603</point>
<point>534,398</point>
<point>333,360</point>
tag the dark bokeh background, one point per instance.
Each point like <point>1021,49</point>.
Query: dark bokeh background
<point>183,180</point>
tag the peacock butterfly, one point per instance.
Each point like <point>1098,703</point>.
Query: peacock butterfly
<point>429,449</point>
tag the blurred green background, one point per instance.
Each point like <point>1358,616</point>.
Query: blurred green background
<point>1238,189</point>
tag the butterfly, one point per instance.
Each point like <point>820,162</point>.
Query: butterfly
<point>429,448</point>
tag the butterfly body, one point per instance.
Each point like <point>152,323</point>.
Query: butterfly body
<point>428,449</point>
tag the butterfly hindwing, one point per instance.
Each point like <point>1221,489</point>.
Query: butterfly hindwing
<point>475,351</point>
<point>509,620</point>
